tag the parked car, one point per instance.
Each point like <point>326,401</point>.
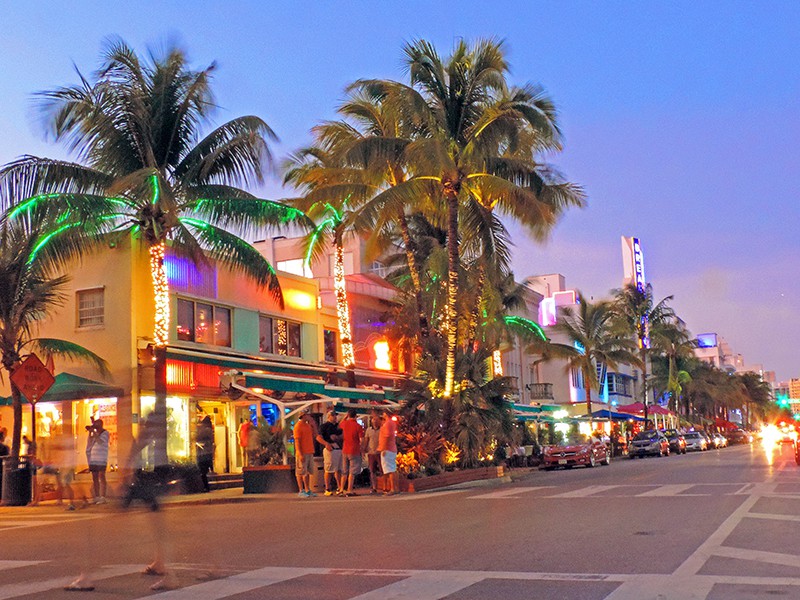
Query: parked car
<point>649,443</point>
<point>695,441</point>
<point>739,436</point>
<point>797,453</point>
<point>709,440</point>
<point>677,443</point>
<point>576,450</point>
<point>720,441</point>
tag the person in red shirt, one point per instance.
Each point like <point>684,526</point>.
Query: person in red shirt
<point>352,434</point>
<point>387,446</point>
<point>304,453</point>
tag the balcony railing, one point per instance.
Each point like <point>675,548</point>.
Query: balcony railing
<point>540,391</point>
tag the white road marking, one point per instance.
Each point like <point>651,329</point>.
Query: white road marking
<point>511,493</point>
<point>424,586</point>
<point>236,584</point>
<point>773,558</point>
<point>15,564</point>
<point>584,492</point>
<point>700,556</point>
<point>773,517</point>
<point>664,587</point>
<point>669,490</point>
<point>13,590</point>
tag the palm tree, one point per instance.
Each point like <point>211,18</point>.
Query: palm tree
<point>476,144</point>
<point>306,170</point>
<point>591,341</point>
<point>149,173</point>
<point>675,345</point>
<point>636,313</point>
<point>33,253</point>
<point>758,393</point>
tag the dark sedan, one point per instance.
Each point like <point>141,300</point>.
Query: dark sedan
<point>677,443</point>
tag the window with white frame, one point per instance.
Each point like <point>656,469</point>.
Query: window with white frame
<point>91,307</point>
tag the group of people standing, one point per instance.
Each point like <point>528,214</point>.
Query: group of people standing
<point>343,444</point>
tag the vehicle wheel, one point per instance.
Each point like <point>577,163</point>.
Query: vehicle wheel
<point>631,456</point>
<point>592,463</point>
<point>607,461</point>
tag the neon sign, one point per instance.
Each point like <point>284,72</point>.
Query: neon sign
<point>638,264</point>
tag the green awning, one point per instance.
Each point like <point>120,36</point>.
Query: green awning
<point>72,387</point>
<point>283,384</point>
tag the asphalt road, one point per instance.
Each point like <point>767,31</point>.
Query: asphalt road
<point>720,525</point>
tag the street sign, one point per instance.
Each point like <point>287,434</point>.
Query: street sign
<point>32,378</point>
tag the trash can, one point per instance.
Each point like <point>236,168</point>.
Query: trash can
<point>318,475</point>
<point>17,481</point>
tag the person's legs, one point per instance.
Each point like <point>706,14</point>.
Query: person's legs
<point>103,484</point>
<point>95,482</point>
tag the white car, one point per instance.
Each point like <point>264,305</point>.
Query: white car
<point>695,441</point>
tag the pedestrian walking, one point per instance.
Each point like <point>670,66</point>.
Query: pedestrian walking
<point>370,447</point>
<point>304,453</point>
<point>243,435</point>
<point>352,436</point>
<point>97,457</point>
<point>387,446</point>
<point>205,450</point>
<point>62,464</point>
<point>330,436</point>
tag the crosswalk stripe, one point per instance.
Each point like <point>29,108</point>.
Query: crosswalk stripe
<point>511,493</point>
<point>15,564</point>
<point>424,586</point>
<point>668,490</point>
<point>586,491</point>
<point>236,584</point>
<point>13,590</point>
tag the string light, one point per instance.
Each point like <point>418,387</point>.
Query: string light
<point>497,363</point>
<point>283,346</point>
<point>161,293</point>
<point>348,357</point>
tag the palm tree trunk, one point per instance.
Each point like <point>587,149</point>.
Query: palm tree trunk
<point>476,312</point>
<point>16,431</point>
<point>452,291</point>
<point>413,269</point>
<point>588,384</point>
<point>343,309</point>
<point>160,340</point>
<point>643,354</point>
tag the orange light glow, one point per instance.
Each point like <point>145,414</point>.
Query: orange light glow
<point>382,358</point>
<point>299,300</point>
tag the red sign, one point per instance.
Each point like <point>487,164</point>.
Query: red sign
<point>32,378</point>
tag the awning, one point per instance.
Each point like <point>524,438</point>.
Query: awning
<point>72,387</point>
<point>615,416</point>
<point>260,382</point>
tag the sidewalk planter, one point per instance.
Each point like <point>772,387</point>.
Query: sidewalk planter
<point>269,479</point>
<point>420,484</point>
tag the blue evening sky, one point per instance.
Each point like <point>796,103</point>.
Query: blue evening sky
<point>682,121</point>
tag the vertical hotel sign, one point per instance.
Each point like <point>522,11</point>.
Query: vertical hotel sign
<point>638,264</point>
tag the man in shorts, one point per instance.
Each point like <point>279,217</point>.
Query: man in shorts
<point>387,446</point>
<point>352,434</point>
<point>370,447</point>
<point>330,436</point>
<point>304,453</point>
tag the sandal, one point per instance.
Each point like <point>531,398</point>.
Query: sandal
<point>77,586</point>
<point>150,570</point>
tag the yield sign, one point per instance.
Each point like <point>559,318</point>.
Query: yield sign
<point>32,378</point>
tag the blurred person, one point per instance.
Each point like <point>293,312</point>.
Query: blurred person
<point>205,450</point>
<point>304,453</point>
<point>243,435</point>
<point>387,446</point>
<point>97,457</point>
<point>370,447</point>
<point>4,449</point>
<point>330,436</point>
<point>352,435</point>
<point>253,445</point>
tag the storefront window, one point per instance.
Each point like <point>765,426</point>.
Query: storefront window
<point>84,413</point>
<point>177,424</point>
<point>294,339</point>
<point>265,335</point>
<point>222,326</point>
<point>203,334</point>
<point>329,343</point>
<point>185,320</point>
